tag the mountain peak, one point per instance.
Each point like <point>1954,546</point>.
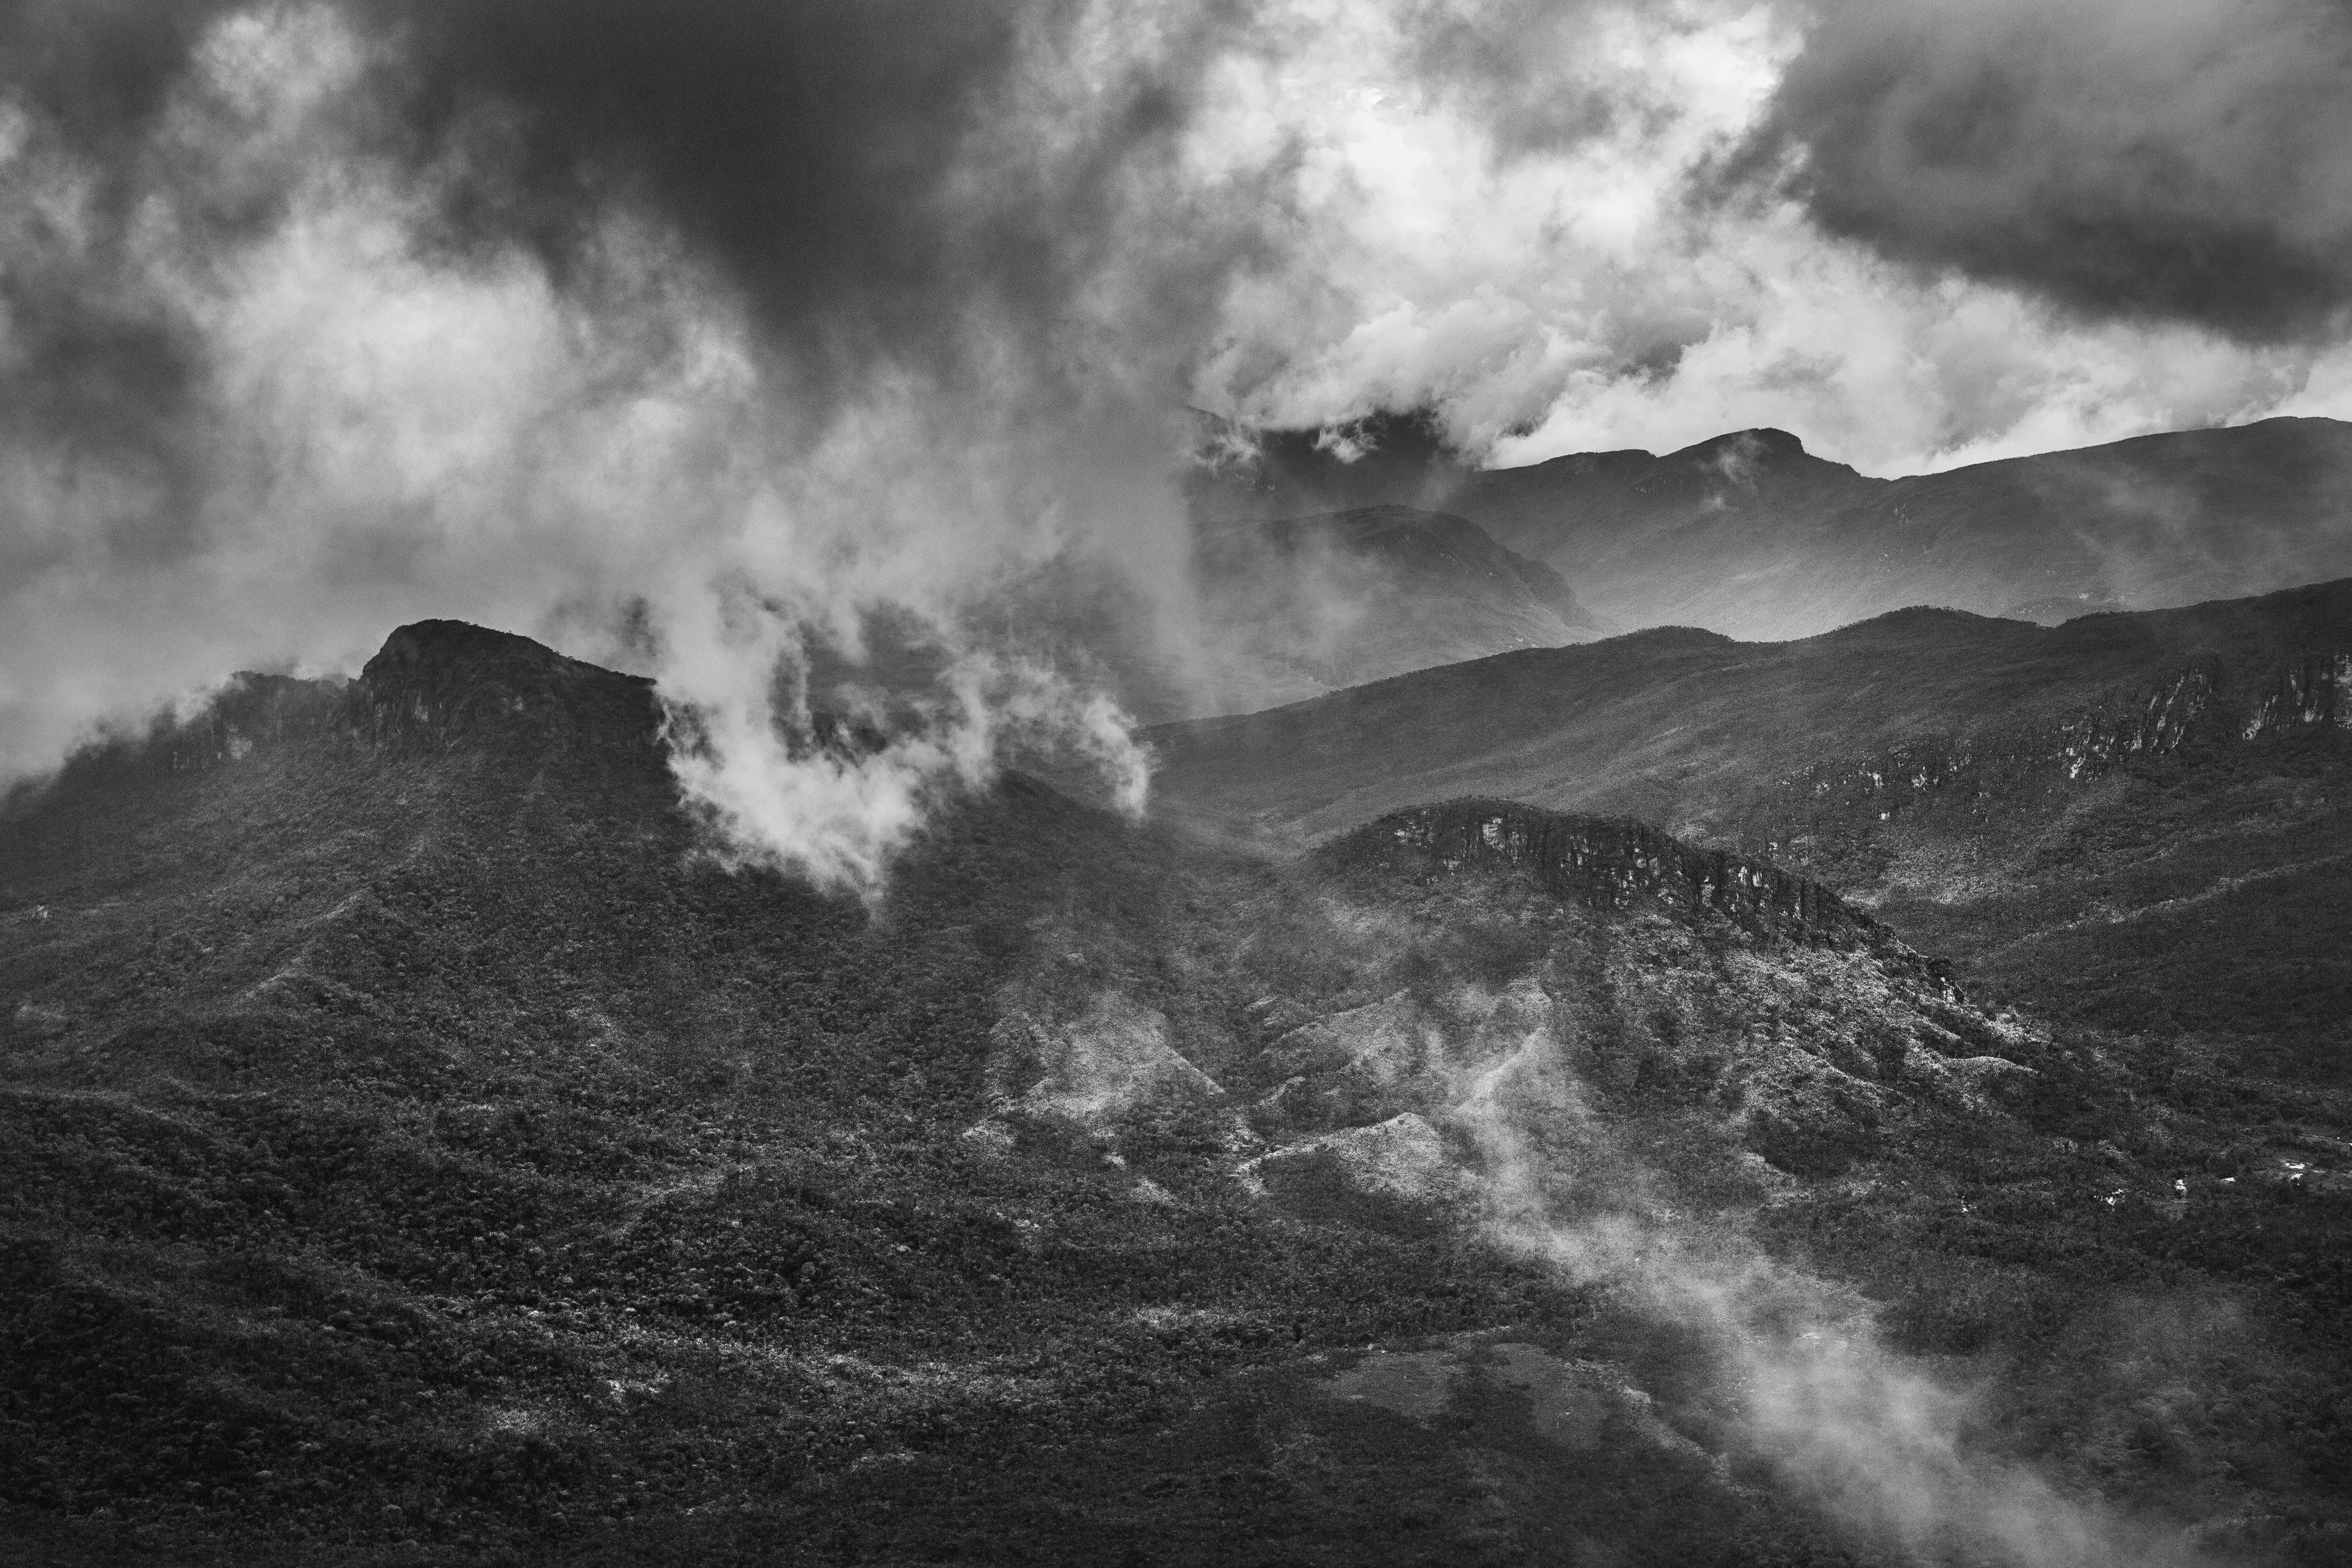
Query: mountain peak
<point>1738,451</point>
<point>438,645</point>
<point>442,682</point>
<point>1761,438</point>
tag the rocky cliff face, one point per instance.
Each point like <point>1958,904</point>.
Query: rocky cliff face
<point>438,684</point>
<point>1611,863</point>
<point>2208,705</point>
<point>1989,773</point>
<point>251,710</point>
<point>2312,690</point>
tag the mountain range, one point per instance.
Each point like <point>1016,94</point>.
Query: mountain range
<point>1751,535</point>
<point>420,1147</point>
<point>2138,819</point>
<point>1307,575</point>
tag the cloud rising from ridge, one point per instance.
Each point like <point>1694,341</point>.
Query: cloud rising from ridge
<point>695,336</point>
<point>723,328</point>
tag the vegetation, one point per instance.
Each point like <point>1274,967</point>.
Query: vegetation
<point>412,1149</point>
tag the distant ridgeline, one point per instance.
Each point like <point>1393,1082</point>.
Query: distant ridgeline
<point>1750,534</point>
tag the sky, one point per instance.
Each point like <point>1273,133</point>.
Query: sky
<point>686,335</point>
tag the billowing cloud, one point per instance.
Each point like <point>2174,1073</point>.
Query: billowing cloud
<point>2179,160</point>
<point>1646,255</point>
<point>656,331</point>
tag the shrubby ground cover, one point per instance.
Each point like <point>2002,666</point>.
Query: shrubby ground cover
<point>421,1152</point>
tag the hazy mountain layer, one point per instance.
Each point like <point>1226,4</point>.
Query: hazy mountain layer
<point>1303,606</point>
<point>1751,535</point>
<point>1273,612</point>
<point>415,1151</point>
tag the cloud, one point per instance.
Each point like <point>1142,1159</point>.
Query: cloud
<point>1874,1437</point>
<point>2175,162</point>
<point>835,810</point>
<point>1652,266</point>
<point>319,315</point>
<point>649,332</point>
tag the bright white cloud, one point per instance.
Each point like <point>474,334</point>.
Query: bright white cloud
<point>1579,297</point>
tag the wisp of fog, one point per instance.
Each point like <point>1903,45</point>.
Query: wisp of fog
<point>1874,1437</point>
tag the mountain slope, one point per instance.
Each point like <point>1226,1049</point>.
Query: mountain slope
<point>414,1151</point>
<point>2142,792</point>
<point>1272,612</point>
<point>1749,535</point>
<point>1302,606</point>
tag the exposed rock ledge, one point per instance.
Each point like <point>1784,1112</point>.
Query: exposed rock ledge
<point>1607,862</point>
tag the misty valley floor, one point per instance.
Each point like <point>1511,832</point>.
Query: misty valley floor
<point>414,1151</point>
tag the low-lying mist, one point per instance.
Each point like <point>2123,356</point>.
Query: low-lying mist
<point>1886,1444</point>
<point>1632,1101</point>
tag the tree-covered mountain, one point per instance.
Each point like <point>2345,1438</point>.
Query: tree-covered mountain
<point>418,1148</point>
<point>2139,820</point>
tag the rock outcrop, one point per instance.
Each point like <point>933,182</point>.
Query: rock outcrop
<point>1613,863</point>
<point>440,684</point>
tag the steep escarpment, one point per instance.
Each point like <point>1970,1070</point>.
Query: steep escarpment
<point>1613,863</point>
<point>1993,774</point>
<point>1686,729</point>
<point>445,712</point>
<point>2313,691</point>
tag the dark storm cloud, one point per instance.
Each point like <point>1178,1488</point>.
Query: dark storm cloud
<point>1504,61</point>
<point>99,70</point>
<point>815,150</point>
<point>833,159</point>
<point>2151,159</point>
<point>319,314</point>
<point>95,368</point>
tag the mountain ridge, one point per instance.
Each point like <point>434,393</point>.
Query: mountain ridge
<point>411,1150</point>
<point>1999,792</point>
<point>1794,544</point>
<point>1293,605</point>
